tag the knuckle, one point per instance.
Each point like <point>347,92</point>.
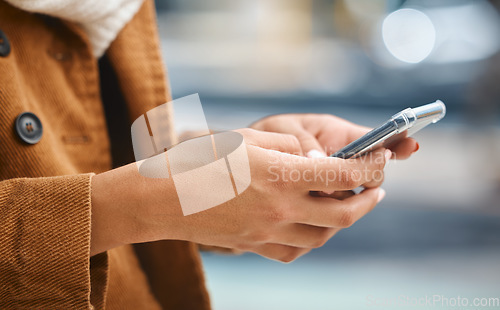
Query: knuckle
<point>279,214</point>
<point>322,239</point>
<point>287,259</point>
<point>377,177</point>
<point>380,165</point>
<point>349,178</point>
<point>244,246</point>
<point>318,243</point>
<point>280,185</point>
<point>347,218</point>
<point>294,143</point>
<point>260,237</point>
<point>290,255</point>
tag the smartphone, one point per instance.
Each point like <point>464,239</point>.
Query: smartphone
<point>399,126</point>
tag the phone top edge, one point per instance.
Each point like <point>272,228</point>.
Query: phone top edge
<point>410,119</point>
<point>443,110</point>
<point>415,117</point>
<point>435,110</point>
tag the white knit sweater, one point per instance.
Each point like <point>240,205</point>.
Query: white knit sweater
<point>102,20</point>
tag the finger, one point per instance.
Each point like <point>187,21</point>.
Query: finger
<point>304,236</point>
<point>404,148</point>
<point>280,252</point>
<point>327,212</point>
<point>329,173</point>
<point>272,141</point>
<point>310,145</point>
<point>376,181</point>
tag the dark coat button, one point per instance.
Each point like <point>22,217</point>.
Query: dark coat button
<point>29,128</point>
<point>4,45</point>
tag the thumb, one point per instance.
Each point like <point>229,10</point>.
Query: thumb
<point>310,145</point>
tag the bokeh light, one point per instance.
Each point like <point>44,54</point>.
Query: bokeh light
<point>409,35</point>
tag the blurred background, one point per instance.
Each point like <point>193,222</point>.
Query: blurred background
<point>438,230</point>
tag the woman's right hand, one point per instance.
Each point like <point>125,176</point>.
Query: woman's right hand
<point>275,216</point>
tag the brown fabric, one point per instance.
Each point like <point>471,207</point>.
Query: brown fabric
<point>98,280</point>
<point>174,267</point>
<point>45,188</point>
<point>127,288</point>
<point>140,41</point>
<point>40,266</point>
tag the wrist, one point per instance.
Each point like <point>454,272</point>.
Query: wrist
<point>129,208</point>
<point>114,210</point>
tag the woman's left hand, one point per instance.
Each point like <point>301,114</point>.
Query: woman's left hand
<point>323,134</point>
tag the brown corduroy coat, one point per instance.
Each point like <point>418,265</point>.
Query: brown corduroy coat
<point>86,107</point>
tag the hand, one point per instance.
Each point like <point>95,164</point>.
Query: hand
<point>274,217</point>
<point>325,133</point>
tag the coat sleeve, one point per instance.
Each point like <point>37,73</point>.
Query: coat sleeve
<point>45,243</point>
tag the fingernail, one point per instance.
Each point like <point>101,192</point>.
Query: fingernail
<point>315,154</point>
<point>417,147</point>
<point>388,155</point>
<point>381,195</point>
